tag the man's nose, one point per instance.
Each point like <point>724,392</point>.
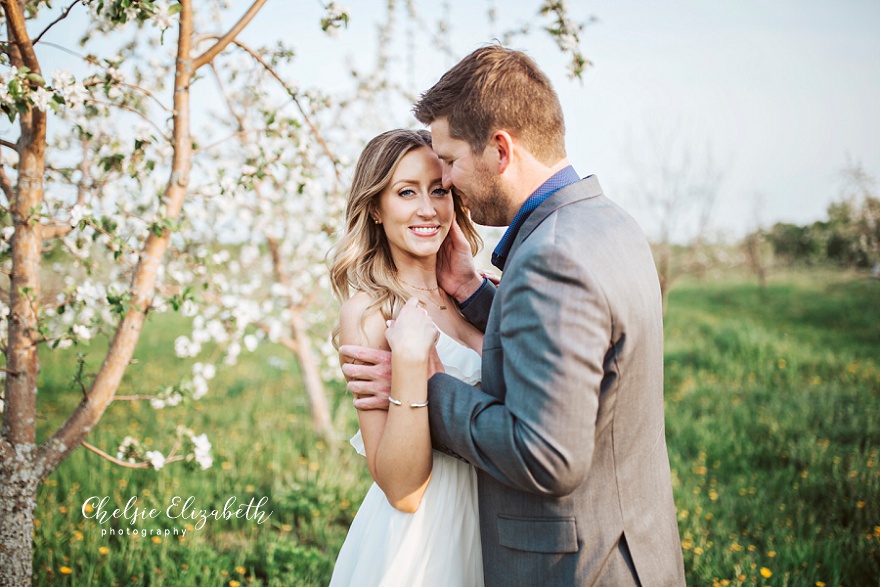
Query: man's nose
<point>446,175</point>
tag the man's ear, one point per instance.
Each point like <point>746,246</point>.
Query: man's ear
<point>502,142</point>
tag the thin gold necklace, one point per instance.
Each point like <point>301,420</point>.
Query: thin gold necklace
<point>435,288</point>
<point>442,306</point>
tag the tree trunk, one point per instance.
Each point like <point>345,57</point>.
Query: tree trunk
<point>308,363</point>
<point>19,474</point>
<point>18,499</point>
<point>311,374</point>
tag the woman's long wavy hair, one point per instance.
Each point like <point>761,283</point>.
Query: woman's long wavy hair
<point>362,258</point>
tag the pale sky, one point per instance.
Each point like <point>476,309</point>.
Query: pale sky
<point>784,92</point>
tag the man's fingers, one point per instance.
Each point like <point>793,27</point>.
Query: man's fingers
<point>369,388</point>
<point>371,403</point>
<point>364,354</point>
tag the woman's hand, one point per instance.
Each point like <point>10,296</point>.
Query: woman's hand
<point>413,334</point>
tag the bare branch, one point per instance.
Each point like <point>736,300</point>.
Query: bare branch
<point>121,463</point>
<point>223,41</point>
<point>239,133</point>
<point>56,21</point>
<point>147,93</point>
<point>9,145</point>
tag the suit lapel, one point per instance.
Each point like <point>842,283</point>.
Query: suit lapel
<point>581,190</point>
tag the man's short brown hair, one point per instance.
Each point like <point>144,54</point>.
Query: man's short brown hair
<point>495,88</point>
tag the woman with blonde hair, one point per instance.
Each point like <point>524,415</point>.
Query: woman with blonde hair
<point>418,524</point>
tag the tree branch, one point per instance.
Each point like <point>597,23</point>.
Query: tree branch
<point>293,95</point>
<point>9,145</point>
<point>133,398</point>
<point>221,44</point>
<point>122,463</point>
<point>15,21</point>
<point>56,21</point>
<point>133,111</point>
<point>6,186</point>
<point>52,452</point>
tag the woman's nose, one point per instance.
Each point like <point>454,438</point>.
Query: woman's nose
<point>426,207</point>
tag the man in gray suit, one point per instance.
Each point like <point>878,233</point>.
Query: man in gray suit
<point>567,430</point>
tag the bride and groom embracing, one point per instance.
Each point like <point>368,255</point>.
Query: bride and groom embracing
<point>514,428</point>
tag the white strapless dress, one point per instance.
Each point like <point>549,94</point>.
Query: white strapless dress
<point>439,544</point>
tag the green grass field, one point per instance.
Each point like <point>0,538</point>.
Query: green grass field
<point>773,411</point>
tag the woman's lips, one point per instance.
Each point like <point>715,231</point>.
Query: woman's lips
<point>426,231</point>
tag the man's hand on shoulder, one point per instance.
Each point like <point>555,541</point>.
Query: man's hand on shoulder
<point>368,373</point>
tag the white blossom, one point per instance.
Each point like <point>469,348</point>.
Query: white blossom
<point>157,460</point>
<point>202,451</point>
<point>41,97</point>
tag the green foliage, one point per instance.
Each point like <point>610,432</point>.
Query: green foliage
<point>773,431</point>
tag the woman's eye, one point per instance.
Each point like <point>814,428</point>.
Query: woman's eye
<point>406,193</point>
<point>440,192</point>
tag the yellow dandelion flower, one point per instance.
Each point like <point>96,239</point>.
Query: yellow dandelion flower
<point>860,504</point>
<point>240,570</point>
<point>156,540</point>
<point>766,573</point>
<point>226,466</point>
<point>234,583</point>
<point>701,470</point>
<point>104,551</point>
<point>88,508</point>
<point>314,466</point>
<point>820,584</point>
<point>771,554</point>
<point>65,570</point>
<point>62,509</point>
<point>287,527</point>
<point>225,573</point>
<point>77,535</point>
<point>698,550</point>
<point>781,363</point>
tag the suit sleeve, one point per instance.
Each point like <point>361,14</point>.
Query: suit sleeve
<point>555,334</point>
<point>477,309</point>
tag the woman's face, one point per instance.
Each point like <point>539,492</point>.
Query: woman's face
<point>415,211</point>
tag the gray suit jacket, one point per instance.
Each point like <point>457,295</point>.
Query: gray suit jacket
<point>567,431</point>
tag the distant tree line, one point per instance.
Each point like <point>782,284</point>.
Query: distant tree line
<point>848,237</point>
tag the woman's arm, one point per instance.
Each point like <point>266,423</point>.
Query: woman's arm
<point>397,441</point>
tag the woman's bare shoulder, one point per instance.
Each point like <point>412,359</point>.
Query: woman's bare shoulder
<point>357,328</point>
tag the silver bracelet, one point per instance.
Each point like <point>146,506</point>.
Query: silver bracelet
<point>397,402</point>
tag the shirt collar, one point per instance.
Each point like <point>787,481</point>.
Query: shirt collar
<point>557,181</point>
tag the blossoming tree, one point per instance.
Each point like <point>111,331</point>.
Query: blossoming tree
<point>228,225</point>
